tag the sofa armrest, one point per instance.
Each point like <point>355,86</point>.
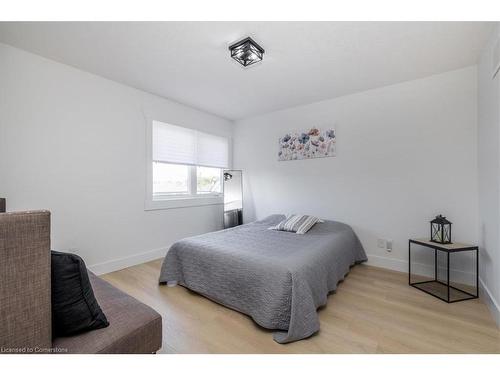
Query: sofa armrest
<point>25,306</point>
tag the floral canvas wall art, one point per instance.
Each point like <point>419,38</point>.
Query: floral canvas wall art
<point>307,145</point>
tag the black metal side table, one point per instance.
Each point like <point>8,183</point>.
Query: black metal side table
<point>435,287</point>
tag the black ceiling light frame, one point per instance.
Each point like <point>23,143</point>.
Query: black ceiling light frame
<point>247,52</point>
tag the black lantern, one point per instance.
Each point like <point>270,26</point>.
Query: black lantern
<point>441,230</point>
<point>246,52</point>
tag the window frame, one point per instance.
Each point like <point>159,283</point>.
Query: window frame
<point>170,201</point>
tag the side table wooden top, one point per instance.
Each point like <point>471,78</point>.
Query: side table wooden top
<point>455,246</point>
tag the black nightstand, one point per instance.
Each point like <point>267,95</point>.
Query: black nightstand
<point>435,287</point>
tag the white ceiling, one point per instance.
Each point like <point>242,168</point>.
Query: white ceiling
<point>304,61</point>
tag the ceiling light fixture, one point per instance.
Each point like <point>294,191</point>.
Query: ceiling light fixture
<point>247,52</point>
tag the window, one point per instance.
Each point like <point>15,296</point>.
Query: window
<point>176,180</point>
<point>170,179</point>
<point>184,167</point>
<point>208,180</point>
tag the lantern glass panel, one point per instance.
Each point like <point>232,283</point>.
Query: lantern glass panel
<point>436,232</point>
<point>446,236</point>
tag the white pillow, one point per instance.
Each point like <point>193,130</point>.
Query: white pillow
<point>299,224</point>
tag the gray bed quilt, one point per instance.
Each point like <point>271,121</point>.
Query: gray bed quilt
<point>277,278</point>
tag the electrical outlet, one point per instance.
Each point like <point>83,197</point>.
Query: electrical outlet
<point>381,243</point>
<point>388,245</point>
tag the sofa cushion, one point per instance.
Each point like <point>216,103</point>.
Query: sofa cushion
<point>133,326</point>
<point>74,307</point>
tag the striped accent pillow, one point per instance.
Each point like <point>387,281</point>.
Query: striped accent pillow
<point>299,224</point>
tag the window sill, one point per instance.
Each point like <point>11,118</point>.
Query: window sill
<point>182,202</point>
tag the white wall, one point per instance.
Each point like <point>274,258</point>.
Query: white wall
<point>74,143</point>
<point>405,153</point>
<point>489,174</point>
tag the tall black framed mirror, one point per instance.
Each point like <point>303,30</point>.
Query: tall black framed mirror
<point>233,198</point>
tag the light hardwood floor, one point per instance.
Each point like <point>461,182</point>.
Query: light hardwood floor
<point>373,311</point>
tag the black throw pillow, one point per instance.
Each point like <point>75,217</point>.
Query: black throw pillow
<point>74,307</point>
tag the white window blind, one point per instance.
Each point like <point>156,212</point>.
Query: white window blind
<point>175,144</point>
<point>212,151</point>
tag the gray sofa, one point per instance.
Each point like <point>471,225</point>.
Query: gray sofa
<point>25,306</point>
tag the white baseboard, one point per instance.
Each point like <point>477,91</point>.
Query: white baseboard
<point>389,263</point>
<point>490,301</point>
<point>373,260</point>
<point>458,276</point>
<point>118,264</point>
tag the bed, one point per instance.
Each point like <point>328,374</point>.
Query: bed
<point>277,278</point>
